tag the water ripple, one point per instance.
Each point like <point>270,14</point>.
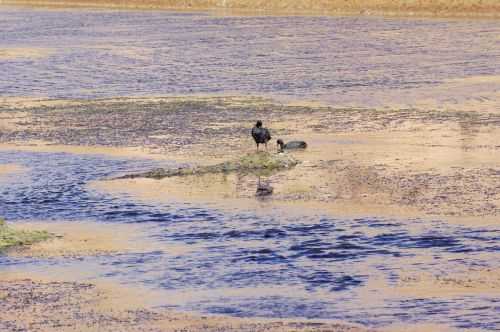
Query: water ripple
<point>279,265</point>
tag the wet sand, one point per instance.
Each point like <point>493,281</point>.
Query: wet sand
<point>441,8</point>
<point>399,163</point>
<point>9,168</point>
<point>77,239</point>
<point>23,53</point>
<point>54,301</point>
<point>71,306</point>
<point>354,175</point>
<point>59,300</point>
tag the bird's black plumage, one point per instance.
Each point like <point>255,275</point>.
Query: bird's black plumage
<point>292,145</point>
<point>260,135</point>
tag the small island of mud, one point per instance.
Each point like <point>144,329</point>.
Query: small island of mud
<point>259,163</point>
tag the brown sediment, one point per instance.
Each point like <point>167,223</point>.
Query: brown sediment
<point>474,281</point>
<point>389,162</point>
<point>57,305</point>
<point>19,103</point>
<point>442,8</point>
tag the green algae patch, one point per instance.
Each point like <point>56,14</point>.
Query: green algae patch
<point>261,163</point>
<point>10,237</point>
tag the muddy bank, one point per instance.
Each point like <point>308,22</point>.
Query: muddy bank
<point>398,161</point>
<point>446,8</point>
<point>71,306</point>
<point>217,128</point>
<point>418,162</point>
<point>258,163</point>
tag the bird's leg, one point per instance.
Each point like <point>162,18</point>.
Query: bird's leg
<point>257,147</point>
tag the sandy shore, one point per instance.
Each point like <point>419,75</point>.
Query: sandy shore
<point>55,301</point>
<point>441,8</point>
<point>60,300</point>
<point>71,306</point>
<point>390,162</point>
<point>403,163</point>
<point>77,239</point>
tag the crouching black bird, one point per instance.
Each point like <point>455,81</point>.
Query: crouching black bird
<point>260,135</point>
<point>292,145</point>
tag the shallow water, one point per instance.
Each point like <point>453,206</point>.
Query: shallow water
<point>240,263</point>
<point>356,61</point>
<point>243,264</point>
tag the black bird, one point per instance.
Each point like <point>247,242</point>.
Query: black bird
<point>260,135</point>
<point>292,145</point>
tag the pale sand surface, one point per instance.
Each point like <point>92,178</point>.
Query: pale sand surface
<point>83,239</point>
<point>458,8</point>
<point>23,52</point>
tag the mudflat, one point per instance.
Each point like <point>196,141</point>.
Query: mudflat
<point>389,217</point>
<point>401,162</point>
<point>389,163</point>
<point>70,306</point>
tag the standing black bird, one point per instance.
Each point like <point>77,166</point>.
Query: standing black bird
<point>260,135</point>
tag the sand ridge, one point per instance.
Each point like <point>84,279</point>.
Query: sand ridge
<point>51,305</point>
<point>78,239</point>
<point>10,168</point>
<point>23,53</point>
